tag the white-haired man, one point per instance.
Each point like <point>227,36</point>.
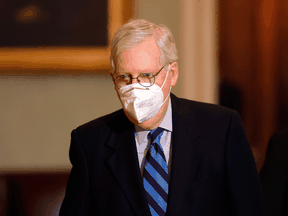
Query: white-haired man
<point>159,155</point>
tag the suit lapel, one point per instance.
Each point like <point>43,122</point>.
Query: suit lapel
<point>125,167</point>
<point>185,156</point>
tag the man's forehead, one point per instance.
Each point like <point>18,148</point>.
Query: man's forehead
<point>143,57</point>
<point>128,65</point>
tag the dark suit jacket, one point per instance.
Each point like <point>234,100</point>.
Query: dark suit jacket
<point>212,173</point>
<point>274,174</point>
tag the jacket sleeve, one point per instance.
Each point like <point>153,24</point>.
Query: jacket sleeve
<point>76,201</point>
<point>246,194</point>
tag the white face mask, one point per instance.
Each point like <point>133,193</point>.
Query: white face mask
<point>142,103</point>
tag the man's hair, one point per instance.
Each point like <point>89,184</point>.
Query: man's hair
<point>135,32</point>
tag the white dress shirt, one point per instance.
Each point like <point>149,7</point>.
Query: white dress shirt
<point>165,140</point>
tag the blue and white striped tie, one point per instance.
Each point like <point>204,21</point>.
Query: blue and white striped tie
<point>155,175</point>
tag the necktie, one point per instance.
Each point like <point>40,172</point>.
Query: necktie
<point>155,175</point>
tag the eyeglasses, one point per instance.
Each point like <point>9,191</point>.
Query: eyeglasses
<point>145,79</point>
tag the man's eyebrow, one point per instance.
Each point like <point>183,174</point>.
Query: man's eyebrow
<point>121,71</point>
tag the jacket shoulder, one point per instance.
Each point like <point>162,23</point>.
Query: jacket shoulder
<point>282,134</point>
<point>279,142</point>
<point>210,118</point>
<point>105,124</point>
<point>197,108</point>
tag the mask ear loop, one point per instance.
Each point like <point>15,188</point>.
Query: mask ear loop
<point>163,85</point>
<point>167,96</point>
<point>166,76</point>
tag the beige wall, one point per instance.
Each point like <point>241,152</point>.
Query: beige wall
<point>199,50</point>
<point>38,114</point>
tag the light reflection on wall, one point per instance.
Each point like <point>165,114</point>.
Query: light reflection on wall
<point>30,14</point>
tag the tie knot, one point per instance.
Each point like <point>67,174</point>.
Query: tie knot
<point>155,133</point>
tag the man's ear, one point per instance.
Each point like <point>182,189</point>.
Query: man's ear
<point>174,73</point>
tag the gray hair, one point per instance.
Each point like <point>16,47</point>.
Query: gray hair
<point>135,32</point>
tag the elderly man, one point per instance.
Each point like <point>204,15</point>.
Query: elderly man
<point>159,155</point>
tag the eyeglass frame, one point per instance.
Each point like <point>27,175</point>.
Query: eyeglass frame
<point>131,78</point>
